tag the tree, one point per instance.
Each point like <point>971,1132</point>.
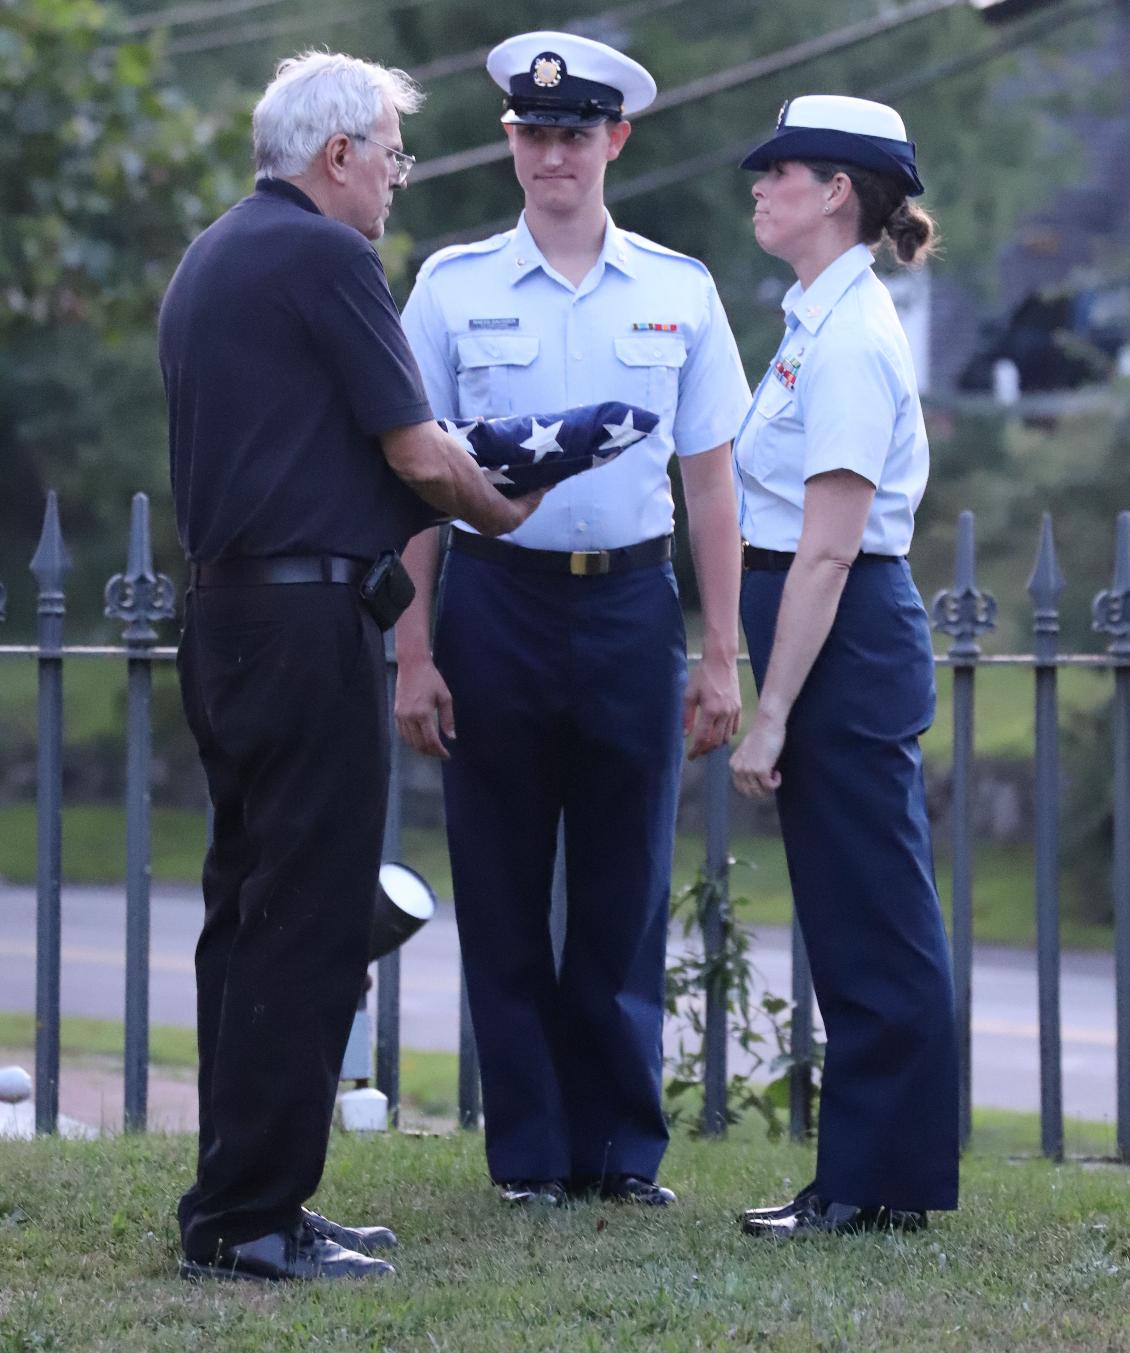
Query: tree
<point>107,173</point>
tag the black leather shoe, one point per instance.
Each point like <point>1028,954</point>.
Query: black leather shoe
<point>814,1216</point>
<point>533,1192</point>
<point>755,1214</point>
<point>361,1239</point>
<point>630,1188</point>
<point>299,1254</point>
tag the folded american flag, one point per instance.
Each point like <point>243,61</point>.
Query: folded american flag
<point>530,451</point>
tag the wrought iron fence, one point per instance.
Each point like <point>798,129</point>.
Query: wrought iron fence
<point>141,597</point>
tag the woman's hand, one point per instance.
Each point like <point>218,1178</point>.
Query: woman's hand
<point>754,765</point>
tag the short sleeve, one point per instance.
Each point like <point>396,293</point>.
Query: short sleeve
<point>713,392</point>
<point>848,398</point>
<point>355,322</point>
<point>427,331</point>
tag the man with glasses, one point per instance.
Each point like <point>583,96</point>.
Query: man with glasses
<point>302,449</point>
<point>560,655</point>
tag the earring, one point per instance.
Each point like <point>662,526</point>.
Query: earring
<point>827,209</point>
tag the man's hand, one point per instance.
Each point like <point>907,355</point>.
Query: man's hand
<point>712,706</point>
<point>507,514</point>
<point>423,708</point>
<point>437,467</point>
<point>754,765</point>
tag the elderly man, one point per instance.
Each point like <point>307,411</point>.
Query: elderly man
<point>559,652</point>
<point>302,450</point>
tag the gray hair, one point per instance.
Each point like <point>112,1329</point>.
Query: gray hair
<point>314,96</point>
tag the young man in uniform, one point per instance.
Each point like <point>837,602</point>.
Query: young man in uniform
<point>559,682</point>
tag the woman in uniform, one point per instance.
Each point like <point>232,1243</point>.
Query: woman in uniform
<point>831,464</point>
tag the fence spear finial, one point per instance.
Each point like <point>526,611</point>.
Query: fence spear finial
<point>140,596</point>
<point>1110,609</point>
<point>964,610</point>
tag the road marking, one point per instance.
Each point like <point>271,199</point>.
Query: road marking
<point>1006,1028</point>
<point>100,958</point>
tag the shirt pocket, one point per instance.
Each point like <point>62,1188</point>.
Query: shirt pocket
<point>651,378</point>
<point>486,369</point>
<point>774,417</point>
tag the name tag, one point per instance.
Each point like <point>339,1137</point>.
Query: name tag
<point>491,322</point>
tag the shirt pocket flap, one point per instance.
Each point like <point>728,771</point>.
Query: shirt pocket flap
<point>651,350</point>
<point>774,399</point>
<point>477,350</point>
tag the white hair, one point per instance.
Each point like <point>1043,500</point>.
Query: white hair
<point>316,95</point>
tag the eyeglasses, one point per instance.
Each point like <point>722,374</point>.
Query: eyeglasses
<point>402,162</point>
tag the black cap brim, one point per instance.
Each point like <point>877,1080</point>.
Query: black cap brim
<point>892,158</point>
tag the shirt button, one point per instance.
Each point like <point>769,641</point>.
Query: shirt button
<point>577,356</point>
<point>582,526</point>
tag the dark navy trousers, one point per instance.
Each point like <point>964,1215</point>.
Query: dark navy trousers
<point>284,690</point>
<point>568,695</point>
<point>853,819</point>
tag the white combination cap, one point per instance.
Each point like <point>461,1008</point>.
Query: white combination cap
<point>560,79</point>
<point>845,130</point>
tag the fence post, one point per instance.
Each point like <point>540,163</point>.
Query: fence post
<point>1111,613</point>
<point>963,612</point>
<point>715,918</point>
<point>139,596</point>
<point>50,565</point>
<point>1044,587</point>
<point>388,968</point>
<point>3,603</point>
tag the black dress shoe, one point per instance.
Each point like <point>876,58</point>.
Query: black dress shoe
<point>297,1254</point>
<point>815,1216</point>
<point>755,1214</point>
<point>630,1188</point>
<point>533,1192</point>
<point>361,1239</point>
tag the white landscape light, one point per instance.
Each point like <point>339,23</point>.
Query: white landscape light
<point>15,1085</point>
<point>404,902</point>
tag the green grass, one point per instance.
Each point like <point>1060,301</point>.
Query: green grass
<point>1038,1258</point>
<point>80,1037</point>
<point>429,1080</point>
<point>93,695</point>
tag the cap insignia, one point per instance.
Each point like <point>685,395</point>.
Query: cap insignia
<point>547,70</point>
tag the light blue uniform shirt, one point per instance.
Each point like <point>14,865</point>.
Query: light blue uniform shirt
<point>496,331</point>
<point>840,394</point>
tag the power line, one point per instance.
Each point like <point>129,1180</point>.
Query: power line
<point>838,40</point>
<point>256,32</point>
<point>729,155</point>
<point>192,13</point>
<point>452,64</point>
<point>476,58</point>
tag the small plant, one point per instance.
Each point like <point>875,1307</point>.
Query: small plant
<point>761,1026</point>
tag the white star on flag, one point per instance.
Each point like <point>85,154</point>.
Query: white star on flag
<point>497,476</point>
<point>622,434</point>
<point>459,432</point>
<point>543,440</point>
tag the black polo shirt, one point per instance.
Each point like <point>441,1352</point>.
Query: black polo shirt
<point>283,361</point>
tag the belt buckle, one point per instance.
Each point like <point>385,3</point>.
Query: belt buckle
<point>589,563</point>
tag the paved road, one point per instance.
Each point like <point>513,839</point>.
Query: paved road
<point>1005,1034</point>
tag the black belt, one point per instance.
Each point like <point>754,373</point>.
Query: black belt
<point>580,563</point>
<point>278,568</point>
<point>754,558</point>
